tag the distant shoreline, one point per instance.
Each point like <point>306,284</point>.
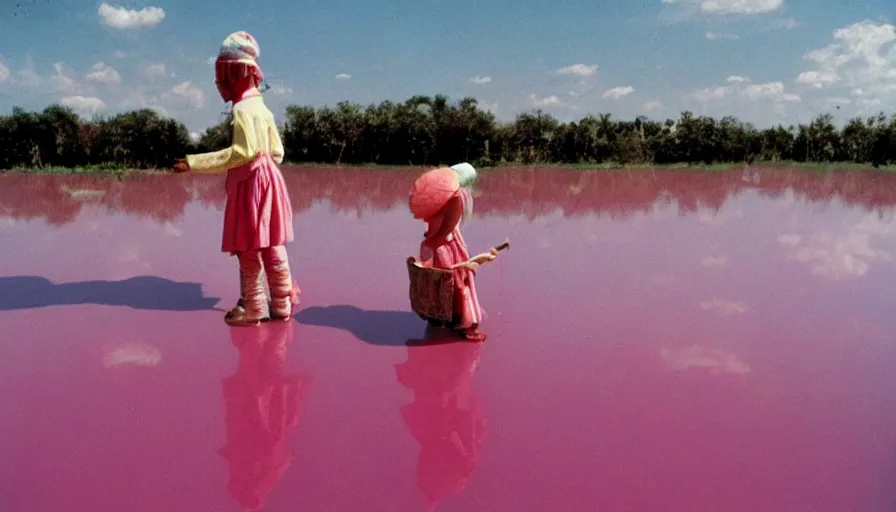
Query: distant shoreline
<point>610,166</point>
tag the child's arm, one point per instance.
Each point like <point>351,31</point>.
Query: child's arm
<point>240,152</point>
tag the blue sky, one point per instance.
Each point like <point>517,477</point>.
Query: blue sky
<point>765,61</point>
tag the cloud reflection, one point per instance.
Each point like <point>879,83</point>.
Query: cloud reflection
<point>844,255</point>
<point>717,361</point>
<point>133,354</point>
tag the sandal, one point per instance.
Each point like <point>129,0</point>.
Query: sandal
<point>475,335</point>
<point>238,316</point>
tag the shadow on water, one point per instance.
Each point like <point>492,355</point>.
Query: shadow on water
<point>384,328</point>
<point>144,292</point>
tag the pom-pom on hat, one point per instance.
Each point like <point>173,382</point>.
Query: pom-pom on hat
<point>465,172</point>
<point>432,191</point>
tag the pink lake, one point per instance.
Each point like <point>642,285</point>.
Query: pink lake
<point>658,341</point>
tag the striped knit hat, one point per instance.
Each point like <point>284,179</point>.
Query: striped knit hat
<point>240,47</point>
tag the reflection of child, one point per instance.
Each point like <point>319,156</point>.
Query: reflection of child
<point>438,199</point>
<point>445,417</point>
<point>258,214</point>
<point>262,407</point>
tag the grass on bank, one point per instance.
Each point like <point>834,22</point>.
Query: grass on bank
<point>115,170</point>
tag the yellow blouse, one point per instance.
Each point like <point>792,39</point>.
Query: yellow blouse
<point>254,132</point>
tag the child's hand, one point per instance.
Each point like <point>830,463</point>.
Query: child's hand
<point>485,257</point>
<point>469,265</point>
<point>181,166</point>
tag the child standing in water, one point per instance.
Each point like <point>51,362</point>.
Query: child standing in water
<point>258,214</point>
<point>438,199</point>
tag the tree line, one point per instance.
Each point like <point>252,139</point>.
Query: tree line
<point>530,192</point>
<point>431,131</point>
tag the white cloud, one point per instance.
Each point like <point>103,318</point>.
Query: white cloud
<point>4,73</point>
<point>103,74</point>
<point>726,7</point>
<point>480,80</point>
<point>343,76</point>
<point>120,54</point>
<point>817,79</point>
<point>63,81</point>
<point>280,90</point>
<point>195,136</point>
<point>188,93</point>
<point>740,6</point>
<point>861,56</point>
<point>709,94</point>
<point>28,76</point>
<point>618,92</point>
<point>772,91</point>
<point>85,106</point>
<point>580,70</point>
<point>548,101</point>
<point>740,87</point>
<point>785,24</point>
<point>123,18</point>
<point>651,106</point>
<point>716,36</point>
<point>156,70</point>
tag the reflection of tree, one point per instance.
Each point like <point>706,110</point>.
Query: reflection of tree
<point>531,191</point>
<point>262,409</point>
<point>445,416</point>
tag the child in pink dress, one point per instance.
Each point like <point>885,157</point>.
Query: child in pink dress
<point>258,214</point>
<point>438,199</point>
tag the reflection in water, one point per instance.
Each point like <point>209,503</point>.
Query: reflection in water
<point>532,192</point>
<point>136,354</point>
<point>262,411</point>
<point>445,416</point>
<point>717,361</point>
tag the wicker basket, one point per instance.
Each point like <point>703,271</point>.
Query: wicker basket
<point>431,292</point>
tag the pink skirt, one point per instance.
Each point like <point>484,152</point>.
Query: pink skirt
<point>258,213</point>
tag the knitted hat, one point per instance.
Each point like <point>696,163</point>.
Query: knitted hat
<point>240,47</point>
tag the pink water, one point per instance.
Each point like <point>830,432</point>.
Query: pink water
<point>675,341</point>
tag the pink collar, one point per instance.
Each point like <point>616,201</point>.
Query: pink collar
<point>250,93</point>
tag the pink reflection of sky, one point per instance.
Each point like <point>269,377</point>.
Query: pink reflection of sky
<point>700,362</point>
